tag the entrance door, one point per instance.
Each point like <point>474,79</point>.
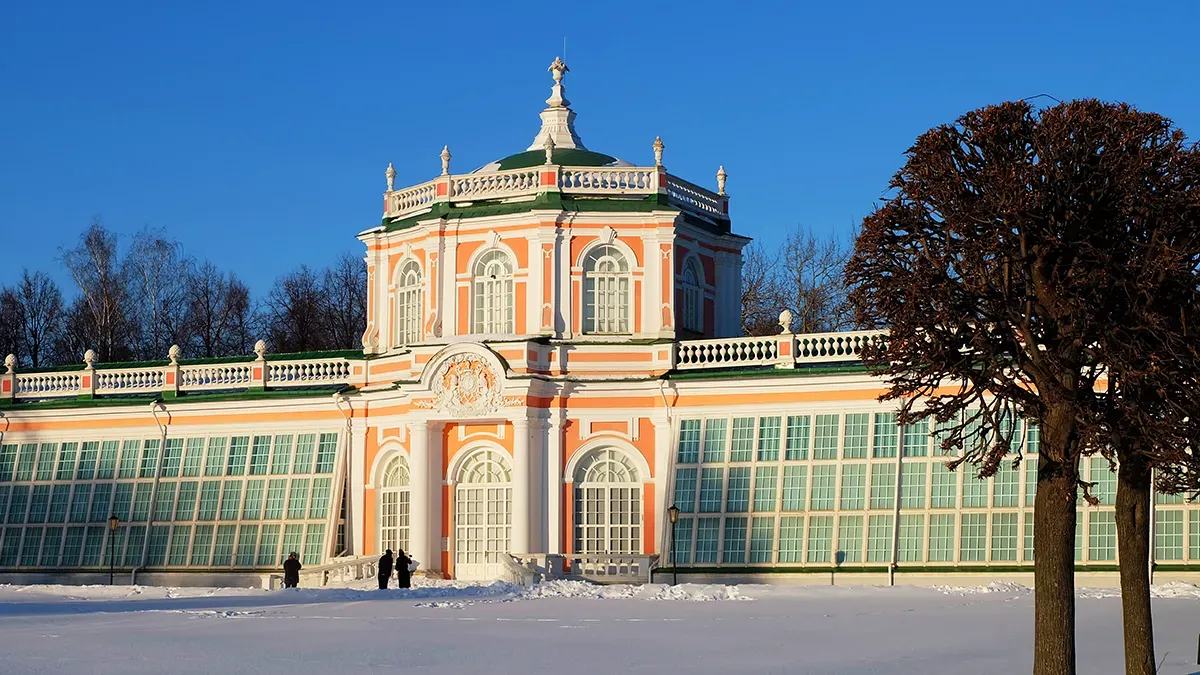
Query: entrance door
<point>482,515</point>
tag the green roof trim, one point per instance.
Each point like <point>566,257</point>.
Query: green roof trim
<point>766,371</point>
<point>183,397</point>
<point>856,568</point>
<point>561,157</point>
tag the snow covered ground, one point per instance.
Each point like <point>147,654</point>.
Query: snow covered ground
<point>454,627</point>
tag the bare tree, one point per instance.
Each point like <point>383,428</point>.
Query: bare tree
<point>98,274</point>
<point>157,271</point>
<point>760,302</point>
<point>293,313</point>
<point>804,275</point>
<point>218,313</point>
<point>35,306</point>
<point>344,287</point>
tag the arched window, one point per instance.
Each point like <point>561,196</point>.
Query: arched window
<point>605,291</point>
<point>408,305</point>
<point>493,293</point>
<point>608,504</point>
<point>693,297</point>
<point>393,506</point>
<point>482,514</point>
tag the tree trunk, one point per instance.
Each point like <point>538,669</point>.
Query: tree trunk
<point>1133,546</point>
<point>1054,547</point>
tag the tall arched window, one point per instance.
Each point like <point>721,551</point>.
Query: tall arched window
<point>493,293</point>
<point>393,506</point>
<point>605,291</point>
<point>408,305</point>
<point>608,504</point>
<point>693,297</point>
<point>482,514</point>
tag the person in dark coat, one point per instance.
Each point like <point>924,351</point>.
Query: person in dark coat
<point>403,579</point>
<point>291,571</point>
<point>385,569</point>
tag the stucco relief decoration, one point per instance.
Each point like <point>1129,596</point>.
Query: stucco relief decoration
<point>465,385</point>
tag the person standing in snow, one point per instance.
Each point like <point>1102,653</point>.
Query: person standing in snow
<point>403,579</point>
<point>385,569</point>
<point>291,571</point>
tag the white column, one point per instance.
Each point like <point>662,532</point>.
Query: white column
<point>355,533</point>
<point>420,511</point>
<point>448,312</point>
<point>663,455</point>
<point>520,487</point>
<point>436,482</point>
<point>554,483</point>
<point>537,486</point>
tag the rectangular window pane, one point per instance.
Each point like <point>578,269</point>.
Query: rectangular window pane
<point>689,441</point>
<point>1168,535</point>
<point>321,488</point>
<point>108,460</point>
<point>239,448</point>
<point>214,464</point>
<point>252,508</point>
<point>122,501</point>
<point>1007,487</point>
<point>59,499</point>
<point>72,546</point>
<point>912,485</point>
<point>791,539</point>
<point>1102,535</point>
<point>51,543</point>
<point>762,539</point>
<point>824,478</point>
<point>8,461</point>
<point>855,446</point>
<point>180,538</point>
<point>825,445</point>
<point>313,539</point>
<point>18,505</point>
<point>192,458</point>
<point>742,446</point>
<point>114,549</point>
<point>130,453</point>
<point>26,461</point>
<point>79,502</point>
<point>304,453</point>
<point>685,489</point>
<point>298,498</point>
<point>281,456</point>
<point>87,460</point>
<point>293,538</point>
<point>794,480</point>
<point>714,441</point>
<point>798,431</point>
<point>31,547</point>
<point>93,545</point>
<point>1033,437</point>
<point>66,461</point>
<point>223,545</point>
<point>186,506</point>
<point>133,551</point>
<point>1028,536</point>
<point>886,434</point>
<point>1004,536</point>
<point>210,495</point>
<point>231,500</point>
<point>711,488</point>
<point>973,538</point>
<point>879,538</point>
<point>326,452</point>
<point>820,538</point>
<point>164,501</point>
<point>707,532</point>
<point>974,489</point>
<point>769,429</point>
<point>149,459</point>
<point>916,439</point>
<point>1194,534</point>
<point>101,498</point>
<point>766,480</point>
<point>268,546</point>
<point>1105,488</point>
<point>850,535</point>
<point>45,463</point>
<point>941,537</point>
<point>259,454</point>
<point>172,459</point>
<point>737,499</point>
<point>156,552</point>
<point>854,486</point>
<point>1031,464</point>
<point>883,485</point>
<point>247,545</point>
<point>276,492</point>
<point>912,538</point>
<point>39,504</point>
<point>141,502</point>
<point>735,541</point>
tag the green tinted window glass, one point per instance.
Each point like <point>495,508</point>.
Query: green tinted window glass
<point>912,538</point>
<point>185,507</point>
<point>734,550</point>
<point>172,458</point>
<point>239,448</point>
<point>305,445</point>
<point>181,536</point>
<point>11,546</point>
<point>824,477</point>
<point>912,485</point>
<point>46,456</point>
<point>79,502</point>
<point>1006,488</point>
<point>798,431</point>
<point>101,499</point>
<point>1105,488</point>
<point>149,459</point>
<point>18,505</point>
<point>681,547</point>
<point>886,435</point>
<point>685,489</point>
<point>141,502</point>
<point>320,497</point>
<point>108,460</point>
<point>193,457</point>
<point>202,545</point>
<point>214,463</point>
<point>855,445</point>
<point>711,486</point>
<point>769,430</point>
<point>1004,537</point>
<point>313,540</point>
<point>31,547</point>
<point>762,539</point>
<point>210,493</point>
<point>973,539</point>
<point>974,490</point>
<point>298,498</point>
<point>87,460</point>
<point>879,538</point>
<point>276,492</point>
<point>247,544</point>
<point>231,500</point>
<point>8,461</point>
<point>707,532</point>
<point>66,461</point>
<point>59,499</point>
<point>260,455</point>
<point>766,483</point>
<point>941,537</point>
<point>916,439</point>
<point>795,479</point>
<point>93,546</point>
<point>26,461</point>
<point>156,552</point>
<point>293,538</point>
<point>164,501</point>
<point>122,501</point>
<point>883,485</point>
<point>223,545</point>
<point>820,538</point>
<point>268,546</point>
<point>51,545</point>
<point>742,446</point>
<point>854,486</point>
<point>825,444</point>
<point>791,539</point>
<point>39,504</point>
<point>326,452</point>
<point>281,456</point>
<point>133,551</point>
<point>1168,535</point>
<point>130,452</point>
<point>252,508</point>
<point>689,441</point>
<point>72,546</point>
<point>714,442</point>
<point>737,499</point>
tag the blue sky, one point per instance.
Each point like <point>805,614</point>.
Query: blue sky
<point>257,134</point>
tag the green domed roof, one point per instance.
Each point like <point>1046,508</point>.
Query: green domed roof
<point>561,157</point>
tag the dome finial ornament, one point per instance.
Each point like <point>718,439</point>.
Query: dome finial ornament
<point>173,353</point>
<point>785,321</point>
<point>446,160</point>
<point>558,120</point>
<point>548,146</point>
<point>558,68</point>
<point>658,150</point>
<point>721,175</point>
<point>390,174</point>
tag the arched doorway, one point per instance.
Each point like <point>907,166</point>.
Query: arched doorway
<point>608,504</point>
<point>394,505</point>
<point>482,514</point>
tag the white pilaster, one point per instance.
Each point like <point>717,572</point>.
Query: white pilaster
<point>662,470</point>
<point>356,535</point>
<point>537,485</point>
<point>520,487</point>
<point>419,493</point>
<point>448,310</point>
<point>436,482</point>
<point>554,483</point>
<point>563,298</point>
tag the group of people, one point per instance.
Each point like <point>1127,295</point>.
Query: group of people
<point>399,562</point>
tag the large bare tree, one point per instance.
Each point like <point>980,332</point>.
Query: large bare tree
<point>999,265</point>
<point>34,311</point>
<point>157,271</point>
<point>802,274</point>
<point>103,288</point>
<point>218,320</point>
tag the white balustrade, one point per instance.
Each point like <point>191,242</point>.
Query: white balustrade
<point>727,352</point>
<point>621,180</point>
<point>494,185</point>
<point>46,385</point>
<point>611,568</point>
<point>214,376</point>
<point>325,371</point>
<point>693,197</point>
<point>835,347</point>
<point>411,199</point>
<point>129,380</point>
